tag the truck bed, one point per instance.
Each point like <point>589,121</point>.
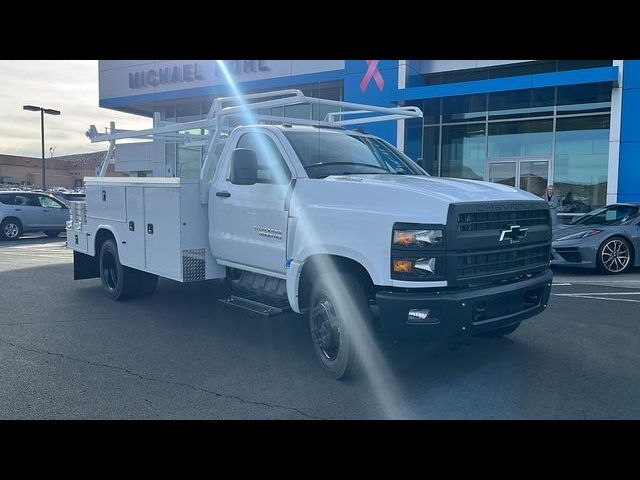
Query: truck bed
<point>159,225</point>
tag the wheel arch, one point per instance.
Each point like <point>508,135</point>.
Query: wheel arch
<point>14,218</point>
<point>103,234</point>
<point>320,263</point>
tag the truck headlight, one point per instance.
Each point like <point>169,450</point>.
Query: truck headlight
<point>417,267</point>
<point>418,238</point>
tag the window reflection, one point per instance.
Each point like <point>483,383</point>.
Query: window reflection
<point>581,163</point>
<point>463,151</point>
<point>521,139</point>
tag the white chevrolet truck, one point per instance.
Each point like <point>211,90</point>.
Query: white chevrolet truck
<point>324,221</point>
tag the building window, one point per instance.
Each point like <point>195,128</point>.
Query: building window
<point>564,129</point>
<point>521,103</point>
<point>529,138</point>
<point>581,163</point>
<point>463,151</point>
<point>464,108</point>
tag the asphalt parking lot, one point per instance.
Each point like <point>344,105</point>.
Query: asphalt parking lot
<point>67,352</point>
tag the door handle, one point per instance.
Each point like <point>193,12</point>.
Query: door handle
<point>18,209</point>
<point>46,210</point>
<point>224,194</point>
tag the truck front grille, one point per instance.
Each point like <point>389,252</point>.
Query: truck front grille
<point>482,263</point>
<point>478,221</point>
<point>477,250</point>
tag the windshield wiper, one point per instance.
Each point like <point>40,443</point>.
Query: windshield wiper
<point>321,164</point>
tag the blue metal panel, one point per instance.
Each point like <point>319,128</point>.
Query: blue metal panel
<point>629,172</point>
<point>218,90</point>
<point>629,161</point>
<point>363,87</point>
<point>570,77</point>
<point>631,74</point>
<point>630,128</point>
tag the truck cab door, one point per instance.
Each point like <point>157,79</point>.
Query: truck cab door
<point>249,221</point>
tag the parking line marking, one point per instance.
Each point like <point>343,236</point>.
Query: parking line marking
<point>561,284</point>
<point>592,293</point>
<point>599,298</point>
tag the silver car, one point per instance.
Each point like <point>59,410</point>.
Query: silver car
<point>607,238</point>
<point>31,212</point>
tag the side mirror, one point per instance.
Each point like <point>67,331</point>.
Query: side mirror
<point>422,163</point>
<point>244,167</point>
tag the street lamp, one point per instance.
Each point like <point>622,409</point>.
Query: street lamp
<point>42,112</point>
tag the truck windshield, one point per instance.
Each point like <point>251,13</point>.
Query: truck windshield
<point>325,153</point>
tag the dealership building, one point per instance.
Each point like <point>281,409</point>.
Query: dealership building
<point>525,123</point>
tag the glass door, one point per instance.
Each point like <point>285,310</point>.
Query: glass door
<point>530,175</point>
<point>504,173</point>
<point>533,176</point>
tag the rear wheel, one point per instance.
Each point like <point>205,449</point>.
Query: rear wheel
<point>340,323</point>
<point>10,229</point>
<point>119,282</point>
<point>614,256</point>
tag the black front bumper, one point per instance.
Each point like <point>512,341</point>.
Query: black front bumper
<point>458,313</point>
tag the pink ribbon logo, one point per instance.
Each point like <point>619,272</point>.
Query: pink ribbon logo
<point>372,72</point>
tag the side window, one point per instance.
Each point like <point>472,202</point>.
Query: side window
<point>271,165</point>
<point>7,199</point>
<point>48,202</point>
<point>21,200</point>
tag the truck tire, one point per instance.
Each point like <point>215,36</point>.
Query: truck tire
<point>147,283</point>
<point>10,229</point>
<point>119,282</point>
<point>338,312</point>
<point>501,332</point>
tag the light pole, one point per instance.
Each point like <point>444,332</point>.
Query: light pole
<point>42,112</point>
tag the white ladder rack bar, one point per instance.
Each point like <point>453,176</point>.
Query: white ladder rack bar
<point>226,107</point>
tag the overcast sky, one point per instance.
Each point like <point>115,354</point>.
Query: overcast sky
<point>70,86</point>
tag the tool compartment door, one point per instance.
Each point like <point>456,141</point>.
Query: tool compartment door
<point>162,231</point>
<point>132,251</point>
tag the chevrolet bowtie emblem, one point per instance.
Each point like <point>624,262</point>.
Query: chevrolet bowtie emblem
<point>514,234</point>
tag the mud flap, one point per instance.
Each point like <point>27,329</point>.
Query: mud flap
<point>84,266</point>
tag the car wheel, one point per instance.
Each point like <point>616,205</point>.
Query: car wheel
<point>10,229</point>
<point>119,282</point>
<point>614,256</point>
<point>338,314</point>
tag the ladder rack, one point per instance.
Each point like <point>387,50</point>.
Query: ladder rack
<point>224,108</point>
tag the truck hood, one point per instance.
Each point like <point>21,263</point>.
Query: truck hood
<point>451,190</point>
<point>404,198</point>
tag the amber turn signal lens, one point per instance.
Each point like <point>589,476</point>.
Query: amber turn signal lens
<point>403,266</point>
<point>403,238</point>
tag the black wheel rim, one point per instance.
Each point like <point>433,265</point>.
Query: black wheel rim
<point>325,329</point>
<point>615,256</point>
<point>110,271</point>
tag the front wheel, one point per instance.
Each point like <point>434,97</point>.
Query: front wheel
<point>614,256</point>
<point>340,323</point>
